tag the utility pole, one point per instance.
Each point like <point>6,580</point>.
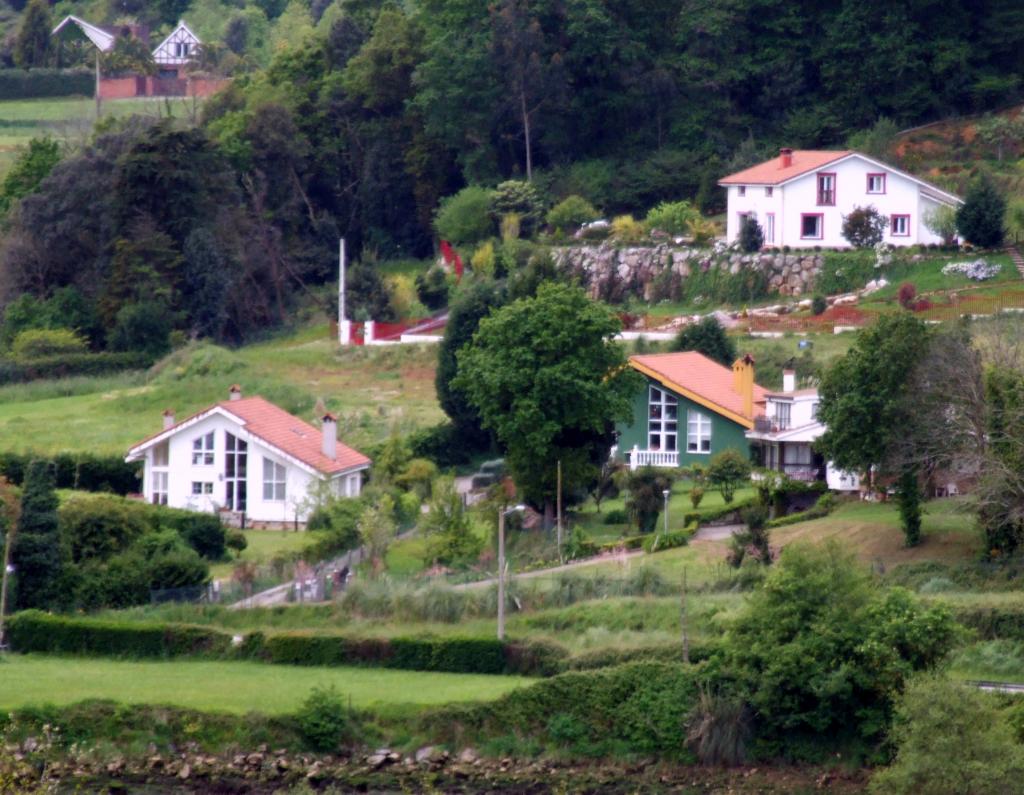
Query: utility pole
<point>558,512</point>
<point>501,573</point>
<point>97,84</point>
<point>344,330</point>
<point>8,543</point>
<point>686,634</point>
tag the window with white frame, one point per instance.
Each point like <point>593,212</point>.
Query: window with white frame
<point>662,420</point>
<point>876,183</point>
<point>352,483</point>
<point>159,494</point>
<point>202,450</point>
<point>900,225</point>
<point>783,413</point>
<point>273,481</point>
<point>826,189</point>
<point>202,487</point>
<point>161,454</point>
<point>811,226</point>
<point>698,432</point>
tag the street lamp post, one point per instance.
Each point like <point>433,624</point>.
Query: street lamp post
<point>501,566</point>
<point>666,494</point>
<point>8,539</point>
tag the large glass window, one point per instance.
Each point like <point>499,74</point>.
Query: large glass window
<point>698,432</point>
<point>662,422</point>
<point>273,481</point>
<point>159,496</point>
<point>826,189</point>
<point>202,450</point>
<point>236,456</point>
<point>782,415</point>
<point>811,226</point>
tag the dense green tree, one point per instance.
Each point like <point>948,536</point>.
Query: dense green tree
<point>33,43</point>
<point>751,236</point>
<point>868,405</point>
<point>709,338</point>
<point>451,539</point>
<point>206,280</point>
<point>647,487</point>
<point>144,327</point>
<point>465,217</point>
<point>819,650</point>
<point>471,306</point>
<point>863,227</point>
<point>981,217</point>
<point>37,551</point>
<point>549,381</point>
<point>728,470</point>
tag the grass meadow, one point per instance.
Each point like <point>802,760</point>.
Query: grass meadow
<point>236,687</point>
<point>263,545</point>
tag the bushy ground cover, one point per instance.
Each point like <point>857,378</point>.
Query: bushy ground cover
<point>263,547</point>
<point>236,687</point>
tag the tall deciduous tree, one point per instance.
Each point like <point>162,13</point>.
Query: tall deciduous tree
<point>37,552</point>
<point>547,378</point>
<point>707,337</point>
<point>868,404</point>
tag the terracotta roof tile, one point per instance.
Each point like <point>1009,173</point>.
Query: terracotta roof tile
<point>771,172</point>
<point>282,430</point>
<point>702,376</point>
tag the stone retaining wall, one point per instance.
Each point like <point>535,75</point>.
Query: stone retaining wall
<point>613,274</point>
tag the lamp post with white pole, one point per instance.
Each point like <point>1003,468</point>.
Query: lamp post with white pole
<point>7,569</point>
<point>501,566</point>
<point>666,494</point>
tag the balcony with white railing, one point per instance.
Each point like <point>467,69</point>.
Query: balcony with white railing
<point>654,458</point>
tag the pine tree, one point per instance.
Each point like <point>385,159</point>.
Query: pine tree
<point>32,47</point>
<point>37,555</point>
<point>980,217</point>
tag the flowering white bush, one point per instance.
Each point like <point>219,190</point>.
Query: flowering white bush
<point>979,270</point>
<point>883,254</point>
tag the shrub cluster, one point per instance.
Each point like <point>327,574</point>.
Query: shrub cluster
<point>659,542</point>
<point>72,364</point>
<point>612,656</point>
<point>79,471</point>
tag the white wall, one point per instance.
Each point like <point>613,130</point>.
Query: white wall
<point>790,201</point>
<point>801,410</point>
<point>182,473</point>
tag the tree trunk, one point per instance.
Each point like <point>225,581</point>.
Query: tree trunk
<point>526,137</point>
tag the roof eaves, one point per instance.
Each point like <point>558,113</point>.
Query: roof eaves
<point>697,398</point>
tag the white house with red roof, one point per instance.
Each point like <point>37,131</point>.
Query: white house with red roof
<point>801,197</point>
<point>248,459</point>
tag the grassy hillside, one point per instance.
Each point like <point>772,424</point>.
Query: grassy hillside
<point>374,391</point>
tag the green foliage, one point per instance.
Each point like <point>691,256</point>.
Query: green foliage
<point>845,271</point>
<point>79,471</point>
<point>673,218</point>
<point>753,542</point>
<point>38,343</point>
<point>571,213</point>
<point>626,229</point>
<point>646,499</point>
<point>41,83</point>
<point>942,222</point>
<point>128,56</point>
<point>33,45</point>
<point>818,304</point>
<point>751,236</point>
<point>37,555</point>
<point>465,217</point>
<point>432,288</point>
<point>728,470</point>
<point>950,739</point>
<point>144,328</point>
<point>546,377</point>
<point>338,519</point>
<point>709,338</point>
<point>864,227</point>
<point>980,218</point>
<point>908,495</point>
<point>658,542</point>
<point>816,607</point>
<point>878,140</point>
<point>31,167</point>
<point>616,516</point>
<point>719,729</point>
<point>236,541</point>
<point>696,496</point>
<point>377,530</point>
<point>323,720</point>
<point>450,536</point>
<point>519,198</point>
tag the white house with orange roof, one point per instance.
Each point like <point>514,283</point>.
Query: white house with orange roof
<point>801,197</point>
<point>248,459</point>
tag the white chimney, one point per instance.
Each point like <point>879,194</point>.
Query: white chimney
<point>168,419</point>
<point>329,434</point>
<point>789,380</point>
<point>235,392</point>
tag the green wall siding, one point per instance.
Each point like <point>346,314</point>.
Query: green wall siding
<point>724,432</point>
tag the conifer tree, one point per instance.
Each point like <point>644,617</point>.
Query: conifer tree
<point>32,47</point>
<point>37,555</point>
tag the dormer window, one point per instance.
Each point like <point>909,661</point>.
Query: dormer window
<point>202,450</point>
<point>826,190</point>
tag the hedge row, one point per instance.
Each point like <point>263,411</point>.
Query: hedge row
<point>714,514</point>
<point>659,542</point>
<point>33,631</point>
<point>31,83</point>
<point>662,652</point>
<point>80,471</point>
<point>71,364</point>
<point>1004,622</point>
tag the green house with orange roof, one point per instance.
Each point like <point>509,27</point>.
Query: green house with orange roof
<point>690,408</point>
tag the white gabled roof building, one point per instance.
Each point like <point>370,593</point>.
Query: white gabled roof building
<point>178,48</point>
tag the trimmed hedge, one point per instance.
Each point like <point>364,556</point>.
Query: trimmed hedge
<point>32,83</point>
<point>34,631</point>
<point>714,514</point>
<point>663,652</point>
<point>80,471</point>
<point>71,364</point>
<point>1005,622</point>
<point>659,542</point>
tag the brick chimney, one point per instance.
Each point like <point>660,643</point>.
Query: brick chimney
<point>743,382</point>
<point>786,157</point>
<point>789,380</point>
<point>329,436</point>
<point>235,393</point>
<point>168,418</point>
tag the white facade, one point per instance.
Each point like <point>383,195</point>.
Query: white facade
<point>807,210</point>
<point>214,464</point>
<point>178,48</point>
<point>786,434</point>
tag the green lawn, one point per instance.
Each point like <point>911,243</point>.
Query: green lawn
<point>70,119</point>
<point>264,545</point>
<point>237,687</point>
<point>374,391</point>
